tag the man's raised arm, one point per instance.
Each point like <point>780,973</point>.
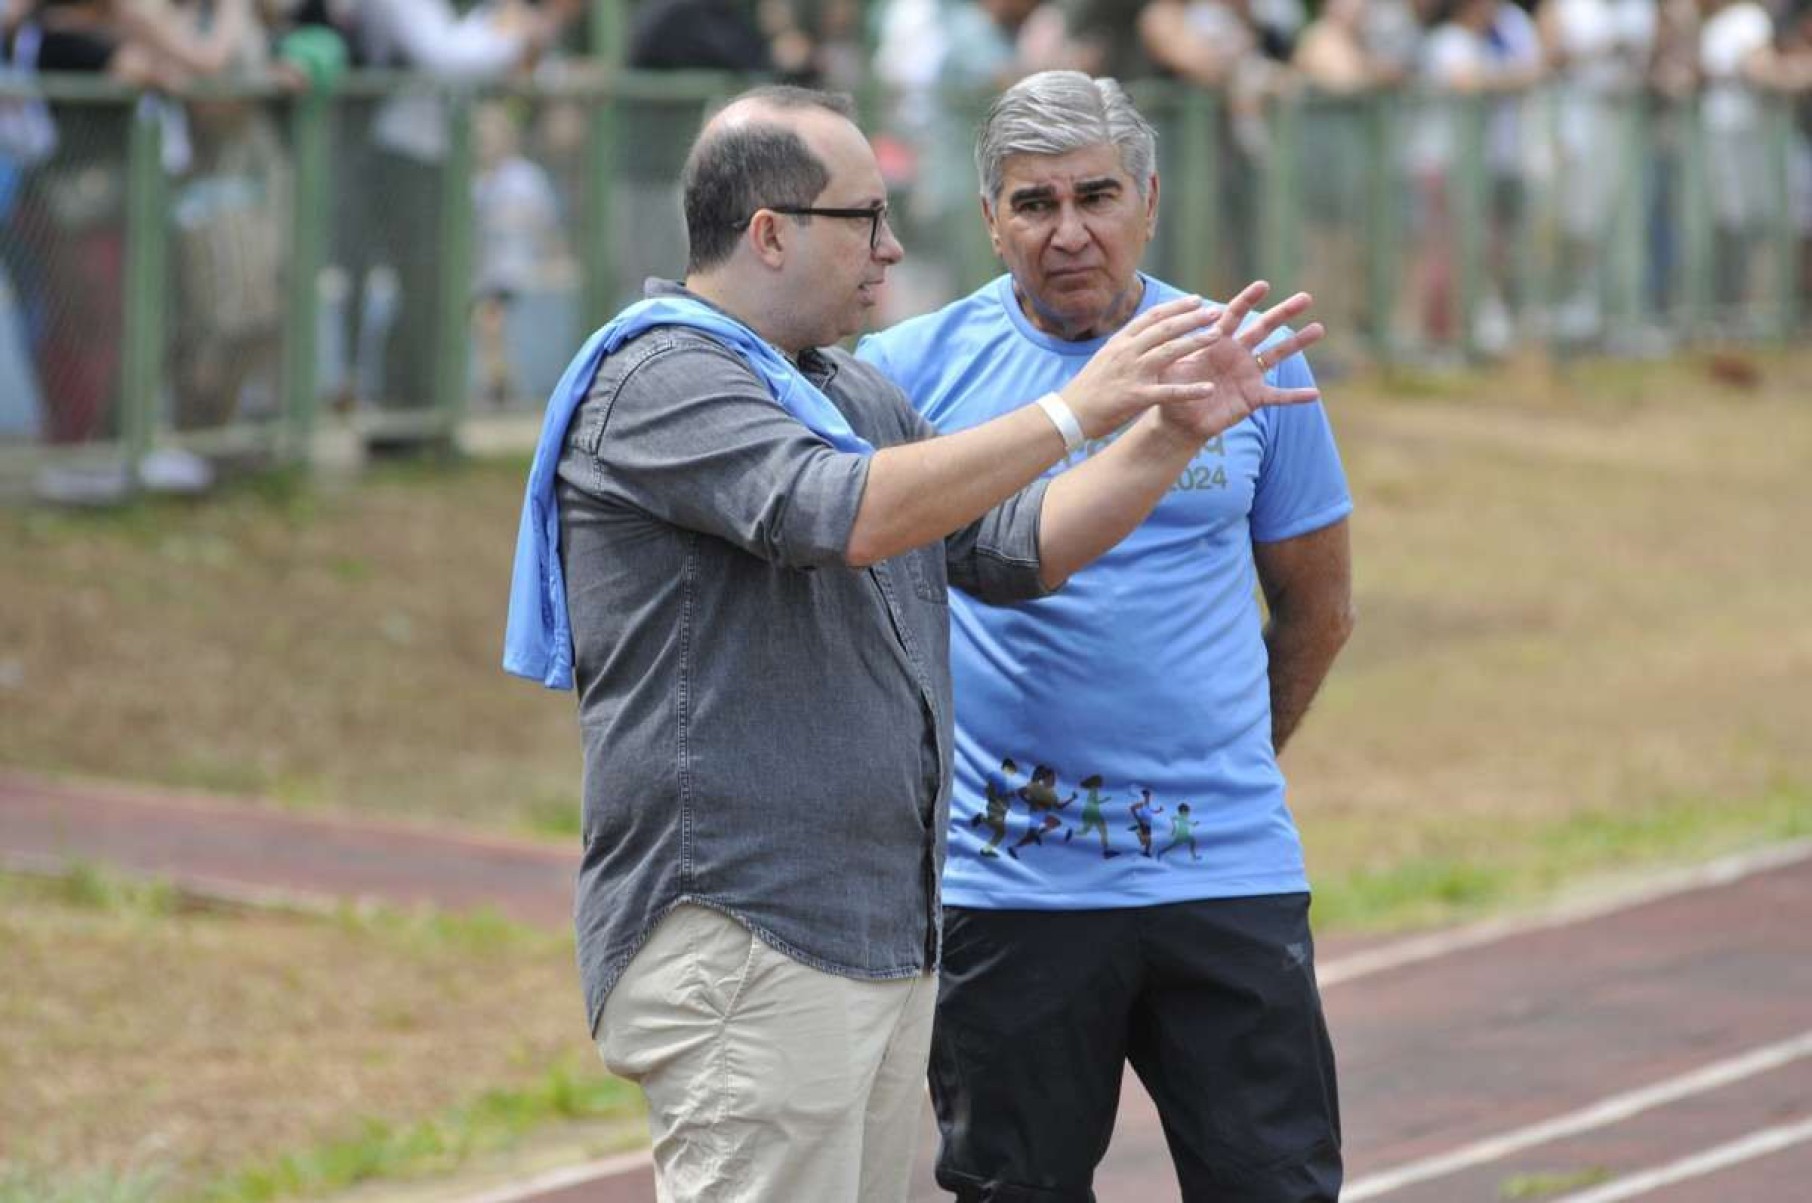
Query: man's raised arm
<point>919,492</point>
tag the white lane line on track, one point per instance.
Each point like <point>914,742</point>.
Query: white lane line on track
<point>575,1175</point>
<point>1747,1148</point>
<point>1416,949</point>
<point>1615,1109</point>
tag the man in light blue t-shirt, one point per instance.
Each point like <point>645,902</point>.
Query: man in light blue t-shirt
<point>1125,881</point>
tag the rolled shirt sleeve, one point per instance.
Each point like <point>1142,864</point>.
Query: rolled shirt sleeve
<point>995,558</point>
<point>700,444</point>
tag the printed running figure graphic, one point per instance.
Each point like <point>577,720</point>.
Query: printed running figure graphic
<point>1035,832</point>
<point>1142,812</point>
<point>1040,797</point>
<point>999,791</point>
<point>1182,831</point>
<point>1092,818</point>
<point>1040,793</point>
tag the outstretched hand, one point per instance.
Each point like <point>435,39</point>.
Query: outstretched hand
<point>1138,367</point>
<point>1237,364</point>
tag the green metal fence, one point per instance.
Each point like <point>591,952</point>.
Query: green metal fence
<point>232,274</point>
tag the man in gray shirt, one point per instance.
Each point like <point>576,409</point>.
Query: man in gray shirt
<point>755,536</point>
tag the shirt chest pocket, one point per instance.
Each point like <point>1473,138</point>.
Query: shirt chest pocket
<point>925,567</point>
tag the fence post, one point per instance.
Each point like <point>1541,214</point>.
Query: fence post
<point>1623,277</point>
<point>1281,211</point>
<point>1384,204</point>
<point>609,40</point>
<point>1696,226</point>
<point>1472,213</point>
<point>311,206</point>
<point>453,322</point>
<point>1197,196</point>
<point>1779,116</point>
<point>598,256</point>
<point>147,250</point>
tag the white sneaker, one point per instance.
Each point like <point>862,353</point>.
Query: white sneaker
<point>1492,330</point>
<point>174,470</point>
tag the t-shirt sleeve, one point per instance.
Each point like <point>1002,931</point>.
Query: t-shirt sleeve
<point>872,350</point>
<point>1301,484</point>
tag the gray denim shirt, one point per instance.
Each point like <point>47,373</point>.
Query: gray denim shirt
<point>766,730</point>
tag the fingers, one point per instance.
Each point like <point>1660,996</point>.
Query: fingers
<point>1271,320</point>
<point>1243,302</point>
<point>1275,353</point>
<point>1143,322</point>
<point>1162,325</point>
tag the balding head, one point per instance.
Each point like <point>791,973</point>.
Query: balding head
<point>751,155</point>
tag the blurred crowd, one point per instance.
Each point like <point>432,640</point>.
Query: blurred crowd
<point>934,61</point>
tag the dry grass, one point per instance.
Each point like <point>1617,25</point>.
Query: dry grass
<point>1582,599</point>
<point>1579,594</point>
<point>147,1040</point>
<point>316,648</point>
<point>1585,642</point>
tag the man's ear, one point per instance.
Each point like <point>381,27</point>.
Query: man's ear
<point>769,235</point>
<point>988,220</point>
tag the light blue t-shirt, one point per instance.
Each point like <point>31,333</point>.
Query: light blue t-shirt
<point>1113,740</point>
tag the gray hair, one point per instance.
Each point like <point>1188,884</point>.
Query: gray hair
<point>1056,112</point>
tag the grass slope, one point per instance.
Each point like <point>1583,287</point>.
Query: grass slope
<point>151,1050</point>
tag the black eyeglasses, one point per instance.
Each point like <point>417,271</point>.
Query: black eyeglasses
<point>875,215</point>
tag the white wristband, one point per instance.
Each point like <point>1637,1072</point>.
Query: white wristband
<point>1064,419</point>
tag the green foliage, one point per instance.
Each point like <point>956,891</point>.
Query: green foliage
<point>1510,862</point>
<point>90,887</point>
<point>556,815</point>
<point>19,1184</point>
<point>1413,891</point>
<point>477,933</point>
<point>1544,1185</point>
<point>377,1148</point>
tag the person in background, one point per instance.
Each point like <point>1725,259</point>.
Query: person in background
<point>1597,54</point>
<point>71,217</point>
<point>1673,85</point>
<point>1333,58</point>
<point>1467,56</point>
<point>1216,45</point>
<point>518,237</point>
<point>231,216</point>
<point>648,232</point>
<point>1741,67</point>
<point>1153,685</point>
<point>392,218</point>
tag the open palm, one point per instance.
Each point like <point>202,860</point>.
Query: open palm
<point>1238,363</point>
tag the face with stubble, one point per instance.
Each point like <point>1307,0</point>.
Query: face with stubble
<point>1072,229</point>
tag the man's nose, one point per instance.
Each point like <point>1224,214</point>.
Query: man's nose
<point>1072,232</point>
<point>887,247</point>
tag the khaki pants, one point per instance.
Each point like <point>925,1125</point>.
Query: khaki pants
<point>768,1080</point>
